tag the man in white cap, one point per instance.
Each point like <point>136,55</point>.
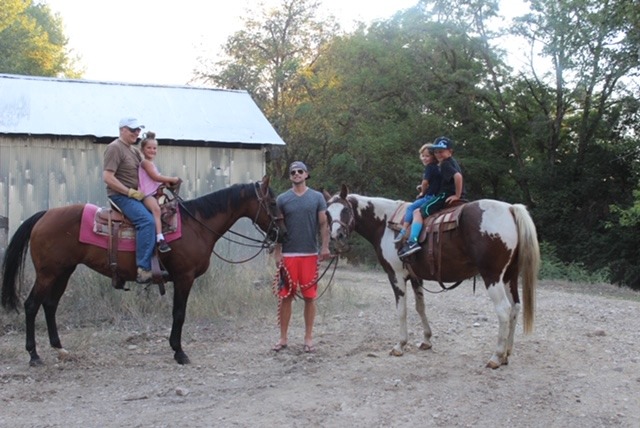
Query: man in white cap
<point>120,173</point>
<point>304,211</point>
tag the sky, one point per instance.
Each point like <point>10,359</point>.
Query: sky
<point>159,42</point>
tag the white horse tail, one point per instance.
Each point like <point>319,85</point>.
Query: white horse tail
<point>528,262</point>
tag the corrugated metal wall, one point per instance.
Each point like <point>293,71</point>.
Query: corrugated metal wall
<point>38,173</point>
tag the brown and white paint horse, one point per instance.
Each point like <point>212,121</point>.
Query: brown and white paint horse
<point>494,239</point>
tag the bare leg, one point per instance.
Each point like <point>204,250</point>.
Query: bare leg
<point>152,205</point>
<point>309,317</point>
<point>285,318</point>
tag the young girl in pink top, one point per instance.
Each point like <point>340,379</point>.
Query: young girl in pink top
<point>149,180</point>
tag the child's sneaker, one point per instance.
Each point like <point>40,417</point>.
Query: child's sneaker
<point>410,248</point>
<point>163,247</point>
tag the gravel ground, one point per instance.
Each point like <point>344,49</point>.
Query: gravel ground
<point>580,368</point>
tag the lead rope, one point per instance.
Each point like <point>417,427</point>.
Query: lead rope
<point>283,279</point>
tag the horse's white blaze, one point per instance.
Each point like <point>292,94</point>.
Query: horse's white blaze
<point>334,211</point>
<point>496,221</point>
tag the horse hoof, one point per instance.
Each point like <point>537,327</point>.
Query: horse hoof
<point>493,365</point>
<point>182,358</point>
<point>63,354</point>
<point>396,352</point>
<point>424,346</point>
<point>35,362</point>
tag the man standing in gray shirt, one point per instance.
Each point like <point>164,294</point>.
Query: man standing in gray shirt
<point>304,211</point>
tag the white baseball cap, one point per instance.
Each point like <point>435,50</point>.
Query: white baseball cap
<point>130,122</point>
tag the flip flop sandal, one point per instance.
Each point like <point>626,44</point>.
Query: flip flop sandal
<point>309,349</point>
<point>279,347</point>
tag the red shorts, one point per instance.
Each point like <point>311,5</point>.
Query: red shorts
<point>301,274</point>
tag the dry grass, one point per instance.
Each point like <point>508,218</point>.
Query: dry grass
<point>227,292</point>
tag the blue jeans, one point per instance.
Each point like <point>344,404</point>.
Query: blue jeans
<point>408,215</point>
<point>142,219</point>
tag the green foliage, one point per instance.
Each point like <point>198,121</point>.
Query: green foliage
<point>32,41</point>
<point>552,268</point>
<point>629,217</point>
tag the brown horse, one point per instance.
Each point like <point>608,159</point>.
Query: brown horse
<point>56,251</point>
<point>491,238</point>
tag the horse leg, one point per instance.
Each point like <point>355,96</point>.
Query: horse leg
<point>180,296</point>
<point>46,292</point>
<point>514,299</point>
<point>426,335</point>
<point>400,293</point>
<point>31,307</point>
<point>50,306</point>
<point>504,311</point>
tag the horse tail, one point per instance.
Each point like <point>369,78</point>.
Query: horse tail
<point>14,258</point>
<point>528,262</point>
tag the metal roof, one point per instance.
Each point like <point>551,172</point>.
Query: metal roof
<point>49,106</point>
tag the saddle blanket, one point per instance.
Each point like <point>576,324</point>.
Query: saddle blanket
<point>125,243</point>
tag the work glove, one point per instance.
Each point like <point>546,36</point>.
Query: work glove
<point>136,194</point>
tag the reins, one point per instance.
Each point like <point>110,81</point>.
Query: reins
<point>263,244</point>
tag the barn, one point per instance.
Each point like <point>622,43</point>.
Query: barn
<point>53,133</point>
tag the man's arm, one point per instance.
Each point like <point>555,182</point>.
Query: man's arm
<point>277,254</point>
<point>324,235</point>
<point>109,177</point>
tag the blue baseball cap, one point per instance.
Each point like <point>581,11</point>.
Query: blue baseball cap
<point>442,143</point>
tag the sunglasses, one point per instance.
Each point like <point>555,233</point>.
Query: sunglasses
<point>133,131</point>
<point>296,171</point>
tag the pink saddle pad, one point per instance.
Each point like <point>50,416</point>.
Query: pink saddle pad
<point>88,236</point>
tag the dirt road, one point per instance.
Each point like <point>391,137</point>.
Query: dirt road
<point>580,368</point>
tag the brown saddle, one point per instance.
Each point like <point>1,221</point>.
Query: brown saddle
<point>111,222</point>
<point>433,229</point>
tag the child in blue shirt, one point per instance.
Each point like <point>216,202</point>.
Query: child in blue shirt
<point>428,188</point>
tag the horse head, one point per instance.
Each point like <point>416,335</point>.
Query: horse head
<point>341,218</point>
<point>268,216</point>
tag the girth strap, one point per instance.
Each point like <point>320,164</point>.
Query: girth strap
<point>114,235</point>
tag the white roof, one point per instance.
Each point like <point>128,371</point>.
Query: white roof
<point>48,106</point>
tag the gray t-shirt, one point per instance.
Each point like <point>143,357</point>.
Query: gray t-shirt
<point>301,218</point>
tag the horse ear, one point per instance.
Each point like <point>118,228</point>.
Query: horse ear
<point>344,190</point>
<point>326,194</point>
<point>264,185</point>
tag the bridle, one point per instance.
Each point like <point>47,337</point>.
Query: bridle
<point>269,208</point>
<point>272,229</point>
<point>351,224</point>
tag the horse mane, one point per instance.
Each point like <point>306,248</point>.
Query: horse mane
<point>220,201</point>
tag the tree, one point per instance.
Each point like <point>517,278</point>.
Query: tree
<point>32,41</point>
<point>267,58</point>
<point>584,105</point>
